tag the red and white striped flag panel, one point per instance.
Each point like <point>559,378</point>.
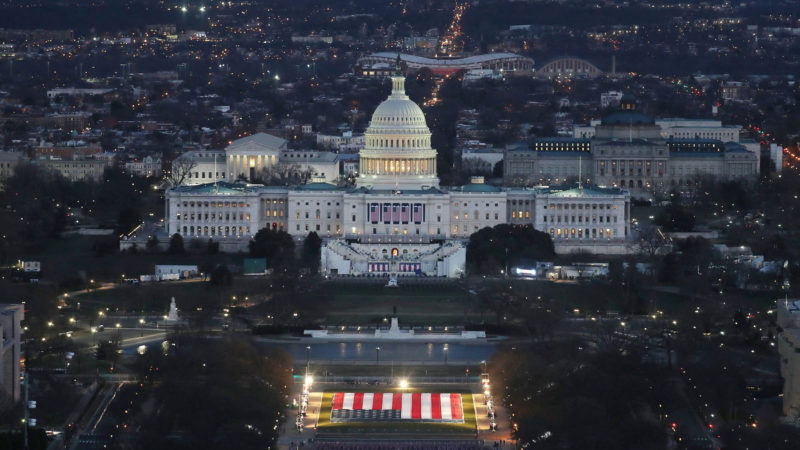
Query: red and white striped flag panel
<point>422,406</point>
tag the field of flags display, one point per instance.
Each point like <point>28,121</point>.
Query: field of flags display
<point>396,407</point>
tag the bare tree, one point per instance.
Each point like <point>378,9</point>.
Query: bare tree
<point>649,240</point>
<point>182,166</point>
<point>283,174</point>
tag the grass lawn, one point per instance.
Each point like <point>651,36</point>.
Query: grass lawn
<point>416,304</point>
<point>397,371</point>
<point>467,427</point>
<point>155,297</point>
<point>74,256</point>
<point>589,296</point>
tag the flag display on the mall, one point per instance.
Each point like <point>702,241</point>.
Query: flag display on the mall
<point>382,407</point>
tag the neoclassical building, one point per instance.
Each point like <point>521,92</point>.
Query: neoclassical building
<point>397,219</point>
<point>253,157</point>
<point>630,150</point>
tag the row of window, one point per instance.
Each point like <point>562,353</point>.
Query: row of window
<point>399,143</point>
<point>513,202</point>
<point>476,216</point>
<point>518,214</point>
<point>581,219</point>
<point>558,206</point>
<point>215,204</point>
<point>213,216</point>
<point>318,227</point>
<point>580,233</point>
<point>190,230</point>
<point>317,214</point>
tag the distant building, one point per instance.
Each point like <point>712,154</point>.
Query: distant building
<point>8,162</point>
<point>610,98</point>
<point>788,320</point>
<point>207,166</point>
<point>29,266</point>
<point>475,75</point>
<point>66,150</point>
<point>346,143</point>
<point>249,155</point>
<point>252,157</point>
<point>313,39</point>
<point>736,91</point>
<point>776,156</point>
<point>72,92</point>
<point>146,167</point>
<point>507,62</point>
<point>629,149</point>
<point>75,170</point>
<point>568,68</point>
<point>182,270</point>
<point>481,157</point>
<point>420,44</point>
<point>11,357</point>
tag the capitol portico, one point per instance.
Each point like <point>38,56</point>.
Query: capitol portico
<point>397,219</point>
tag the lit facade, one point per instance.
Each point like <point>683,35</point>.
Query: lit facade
<point>630,150</point>
<point>397,219</point>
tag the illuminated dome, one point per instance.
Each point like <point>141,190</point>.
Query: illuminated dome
<point>397,153</point>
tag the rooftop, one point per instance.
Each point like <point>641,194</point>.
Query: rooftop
<point>583,191</point>
<point>476,187</point>
<point>476,59</point>
<point>262,139</point>
<point>627,118</point>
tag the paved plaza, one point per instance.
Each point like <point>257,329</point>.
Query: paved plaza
<point>314,436</point>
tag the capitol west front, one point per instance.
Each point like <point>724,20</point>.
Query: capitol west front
<point>397,219</point>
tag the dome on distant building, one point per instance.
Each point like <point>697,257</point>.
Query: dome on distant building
<point>628,118</point>
<point>397,151</point>
<point>627,102</point>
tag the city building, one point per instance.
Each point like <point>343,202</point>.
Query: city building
<point>203,166</point>
<point>347,142</point>
<point>255,157</point>
<point>75,170</point>
<point>788,321</point>
<point>507,62</point>
<point>11,316</point>
<point>397,219</point>
<point>631,150</point>
<point>146,167</point>
<point>568,68</point>
<point>8,161</point>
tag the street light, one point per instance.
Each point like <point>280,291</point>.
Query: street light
<point>445,353</point>
<point>378,355</point>
<point>403,384</point>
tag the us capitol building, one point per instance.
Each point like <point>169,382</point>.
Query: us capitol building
<point>397,219</point>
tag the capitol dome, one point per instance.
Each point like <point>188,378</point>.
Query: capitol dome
<point>397,153</point>
<point>394,112</point>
